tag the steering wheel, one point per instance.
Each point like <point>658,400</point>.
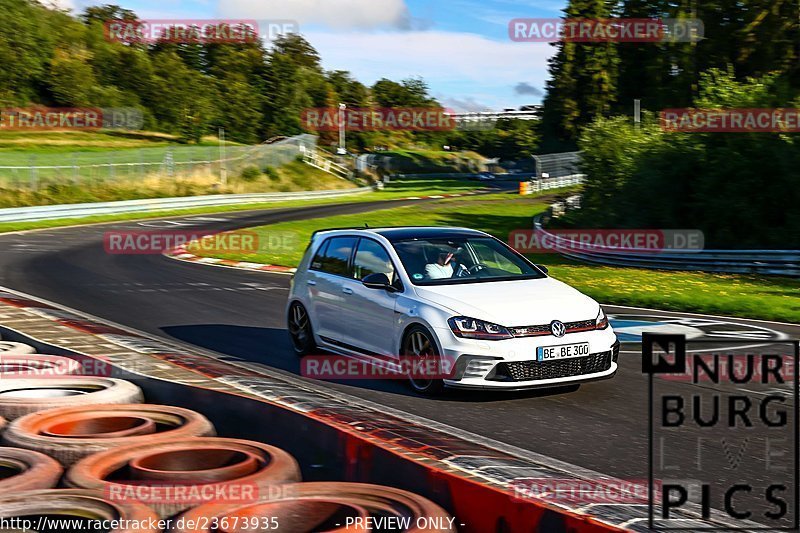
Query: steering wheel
<point>477,267</point>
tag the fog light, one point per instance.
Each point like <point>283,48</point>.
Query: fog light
<point>474,366</point>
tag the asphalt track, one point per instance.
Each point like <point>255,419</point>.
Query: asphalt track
<point>602,426</point>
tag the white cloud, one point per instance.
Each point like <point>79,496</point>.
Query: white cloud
<point>457,65</point>
<point>467,104</point>
<point>434,55</point>
<point>339,14</point>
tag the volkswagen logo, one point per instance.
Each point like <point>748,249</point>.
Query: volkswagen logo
<point>558,328</point>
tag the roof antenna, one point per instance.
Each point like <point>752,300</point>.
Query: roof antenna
<point>366,225</point>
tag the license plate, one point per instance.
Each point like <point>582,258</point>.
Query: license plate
<point>565,351</point>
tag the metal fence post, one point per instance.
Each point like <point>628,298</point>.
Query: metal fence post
<point>33,175</point>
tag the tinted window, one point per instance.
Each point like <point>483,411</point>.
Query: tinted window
<point>371,258</point>
<point>336,255</point>
<point>316,263</point>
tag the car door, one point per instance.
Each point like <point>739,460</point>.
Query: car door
<point>372,321</point>
<point>330,283</point>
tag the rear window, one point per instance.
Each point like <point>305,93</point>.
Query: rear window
<point>333,256</point>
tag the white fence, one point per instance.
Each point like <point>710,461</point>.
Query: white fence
<point>51,212</point>
<point>33,172</point>
<point>545,184</point>
<point>317,159</point>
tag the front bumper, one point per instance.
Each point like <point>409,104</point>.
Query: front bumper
<point>511,364</point>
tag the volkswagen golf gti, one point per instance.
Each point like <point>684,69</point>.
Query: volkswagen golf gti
<point>490,318</point>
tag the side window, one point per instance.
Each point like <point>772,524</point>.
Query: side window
<point>372,258</point>
<point>316,263</point>
<point>335,256</point>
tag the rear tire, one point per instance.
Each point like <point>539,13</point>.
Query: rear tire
<point>419,342</point>
<point>300,330</point>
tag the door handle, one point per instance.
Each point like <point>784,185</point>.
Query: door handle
<point>347,290</point>
<point>311,282</point>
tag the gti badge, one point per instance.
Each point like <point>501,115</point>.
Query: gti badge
<point>558,328</point>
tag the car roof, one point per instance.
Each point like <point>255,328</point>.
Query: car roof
<point>404,233</point>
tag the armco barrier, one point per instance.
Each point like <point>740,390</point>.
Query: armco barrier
<point>769,262</point>
<point>52,212</point>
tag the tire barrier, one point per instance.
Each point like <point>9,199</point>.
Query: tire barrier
<point>15,348</point>
<point>37,366</point>
<point>19,397</point>
<point>332,507</point>
<point>71,433</point>
<point>341,440</point>
<point>76,506</point>
<point>22,470</point>
<point>242,470</point>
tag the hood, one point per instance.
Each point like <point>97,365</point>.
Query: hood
<point>513,303</point>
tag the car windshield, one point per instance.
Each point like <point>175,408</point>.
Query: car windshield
<point>462,260</point>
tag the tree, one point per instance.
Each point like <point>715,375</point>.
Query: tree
<point>347,90</point>
<point>411,92</point>
<point>648,178</point>
<point>583,77</point>
<point>27,44</point>
<point>183,99</point>
<point>294,47</point>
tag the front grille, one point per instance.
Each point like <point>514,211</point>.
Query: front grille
<point>563,368</point>
<point>544,329</point>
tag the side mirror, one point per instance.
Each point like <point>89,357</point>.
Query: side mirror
<point>378,280</point>
<point>543,268</point>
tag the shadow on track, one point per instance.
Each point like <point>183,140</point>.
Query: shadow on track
<point>271,346</point>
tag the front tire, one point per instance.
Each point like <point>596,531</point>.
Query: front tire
<point>300,331</point>
<point>418,342</point>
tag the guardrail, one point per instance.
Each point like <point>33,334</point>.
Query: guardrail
<point>769,262</point>
<point>51,212</point>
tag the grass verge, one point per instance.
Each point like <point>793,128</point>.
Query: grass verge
<point>767,298</point>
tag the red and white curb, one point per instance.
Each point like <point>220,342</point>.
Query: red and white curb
<point>182,254</point>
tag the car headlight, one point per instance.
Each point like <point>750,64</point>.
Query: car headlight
<point>471,328</point>
<point>601,322</point>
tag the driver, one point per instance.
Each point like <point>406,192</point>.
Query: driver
<point>442,268</point>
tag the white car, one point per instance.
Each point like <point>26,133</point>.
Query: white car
<point>457,296</point>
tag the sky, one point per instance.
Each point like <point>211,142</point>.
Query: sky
<point>460,48</point>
